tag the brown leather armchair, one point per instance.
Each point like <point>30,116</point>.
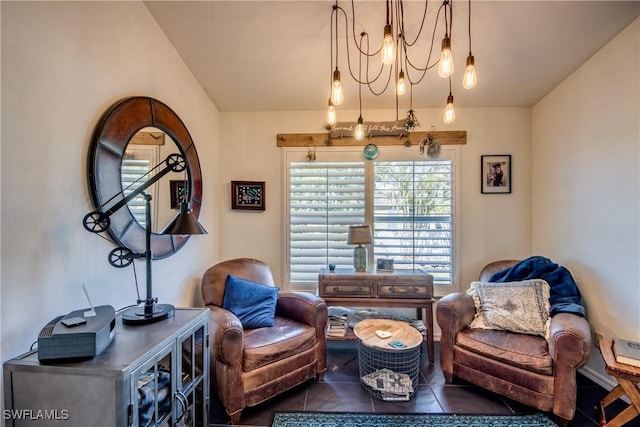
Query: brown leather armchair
<point>525,368</point>
<point>251,366</point>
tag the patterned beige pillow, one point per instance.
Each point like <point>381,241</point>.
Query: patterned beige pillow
<point>521,307</point>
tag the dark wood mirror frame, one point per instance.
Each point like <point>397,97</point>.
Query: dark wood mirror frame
<point>109,142</point>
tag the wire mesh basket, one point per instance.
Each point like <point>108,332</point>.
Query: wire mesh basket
<point>390,375</point>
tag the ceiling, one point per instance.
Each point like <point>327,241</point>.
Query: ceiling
<point>276,55</point>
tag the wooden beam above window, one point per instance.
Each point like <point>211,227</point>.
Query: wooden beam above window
<point>448,137</point>
<point>147,138</point>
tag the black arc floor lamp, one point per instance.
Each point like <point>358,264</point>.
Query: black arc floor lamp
<point>184,223</point>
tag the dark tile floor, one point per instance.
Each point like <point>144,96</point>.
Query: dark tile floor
<point>341,392</point>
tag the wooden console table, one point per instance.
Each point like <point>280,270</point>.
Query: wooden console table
<point>398,289</point>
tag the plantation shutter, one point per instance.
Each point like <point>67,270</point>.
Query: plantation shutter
<point>325,198</point>
<point>136,163</point>
<point>413,215</point>
<point>132,171</point>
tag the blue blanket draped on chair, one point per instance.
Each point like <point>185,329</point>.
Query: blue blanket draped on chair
<point>565,296</point>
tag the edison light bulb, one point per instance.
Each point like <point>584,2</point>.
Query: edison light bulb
<point>332,117</point>
<point>359,133</point>
<point>449,112</point>
<point>445,65</point>
<point>402,85</point>
<point>336,89</point>
<point>388,53</point>
<point>470,80</point>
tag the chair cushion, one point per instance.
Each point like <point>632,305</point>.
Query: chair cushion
<point>284,339</point>
<point>253,304</point>
<point>521,307</point>
<point>527,352</point>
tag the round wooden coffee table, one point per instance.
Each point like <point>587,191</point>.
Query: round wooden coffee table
<point>389,361</point>
<point>366,329</point>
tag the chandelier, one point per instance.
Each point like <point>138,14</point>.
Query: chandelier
<point>398,59</point>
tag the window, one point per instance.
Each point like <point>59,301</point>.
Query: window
<point>408,199</point>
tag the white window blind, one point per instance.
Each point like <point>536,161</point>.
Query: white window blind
<point>413,215</point>
<point>325,198</point>
<point>136,163</point>
<point>134,170</point>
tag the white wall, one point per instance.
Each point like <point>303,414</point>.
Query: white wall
<point>492,226</point>
<point>63,65</point>
<point>586,185</point>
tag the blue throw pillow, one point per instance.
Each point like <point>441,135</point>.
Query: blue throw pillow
<point>253,304</point>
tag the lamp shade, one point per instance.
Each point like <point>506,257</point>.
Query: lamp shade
<point>184,223</point>
<point>360,235</point>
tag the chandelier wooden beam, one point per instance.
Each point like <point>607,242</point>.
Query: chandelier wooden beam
<point>448,137</point>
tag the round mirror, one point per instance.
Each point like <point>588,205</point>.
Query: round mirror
<point>120,130</point>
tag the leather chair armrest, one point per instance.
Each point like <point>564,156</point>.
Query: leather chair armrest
<point>311,310</point>
<point>227,336</point>
<point>569,340</point>
<point>454,313</point>
<point>570,348</point>
<point>303,307</point>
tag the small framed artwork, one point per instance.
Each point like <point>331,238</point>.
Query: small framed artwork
<point>178,192</point>
<point>248,195</point>
<point>384,265</point>
<point>496,174</point>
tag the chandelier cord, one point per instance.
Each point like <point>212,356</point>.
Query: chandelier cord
<point>337,44</point>
<point>427,67</point>
<point>448,26</point>
<point>353,31</point>
<point>410,97</point>
<point>334,18</point>
<point>388,4</point>
<point>360,84</point>
<point>368,81</point>
<point>401,22</point>
<point>469,27</point>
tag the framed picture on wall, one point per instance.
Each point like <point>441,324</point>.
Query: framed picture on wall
<point>178,190</point>
<point>384,265</point>
<point>496,173</point>
<point>247,195</point>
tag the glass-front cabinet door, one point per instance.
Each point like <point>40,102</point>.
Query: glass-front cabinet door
<point>192,392</point>
<point>152,391</point>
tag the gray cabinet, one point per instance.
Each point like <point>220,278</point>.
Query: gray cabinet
<point>150,375</point>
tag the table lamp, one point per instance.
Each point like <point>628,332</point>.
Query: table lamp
<point>360,235</point>
<point>184,223</point>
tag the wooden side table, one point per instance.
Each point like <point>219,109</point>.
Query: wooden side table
<point>399,288</point>
<point>388,372</point>
<point>400,331</point>
<point>628,378</point>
